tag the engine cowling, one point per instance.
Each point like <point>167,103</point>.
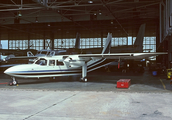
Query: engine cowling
<point>75,60</point>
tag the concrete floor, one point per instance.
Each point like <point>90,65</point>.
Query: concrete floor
<point>148,98</point>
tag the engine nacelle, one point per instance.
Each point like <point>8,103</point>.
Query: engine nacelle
<point>75,60</point>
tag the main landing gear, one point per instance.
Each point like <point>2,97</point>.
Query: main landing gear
<point>83,79</point>
<point>13,82</point>
<point>84,73</point>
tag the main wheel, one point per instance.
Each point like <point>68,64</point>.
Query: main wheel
<point>83,79</point>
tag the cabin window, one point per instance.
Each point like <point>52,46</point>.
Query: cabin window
<point>59,63</point>
<point>41,62</point>
<point>51,62</point>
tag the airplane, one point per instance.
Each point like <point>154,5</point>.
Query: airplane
<point>137,47</point>
<point>12,58</point>
<point>49,52</point>
<point>16,52</point>
<point>138,44</point>
<point>69,65</point>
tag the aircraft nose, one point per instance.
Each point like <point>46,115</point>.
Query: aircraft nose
<point>6,71</point>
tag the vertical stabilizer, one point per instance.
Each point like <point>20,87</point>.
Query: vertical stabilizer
<point>77,43</point>
<point>139,39</point>
<point>107,46</point>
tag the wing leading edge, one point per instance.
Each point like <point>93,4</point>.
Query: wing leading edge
<point>122,55</point>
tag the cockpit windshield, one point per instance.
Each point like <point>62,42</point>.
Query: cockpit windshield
<point>41,61</point>
<point>50,53</point>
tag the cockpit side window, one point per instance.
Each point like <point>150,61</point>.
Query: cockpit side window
<point>41,62</point>
<point>51,62</point>
<point>59,63</point>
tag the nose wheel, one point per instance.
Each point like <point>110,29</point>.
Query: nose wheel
<point>13,82</point>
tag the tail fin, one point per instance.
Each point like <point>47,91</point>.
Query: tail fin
<point>107,46</point>
<point>139,39</point>
<point>77,43</point>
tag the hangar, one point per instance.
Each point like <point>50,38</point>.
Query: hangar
<point>42,24</point>
<point>53,24</point>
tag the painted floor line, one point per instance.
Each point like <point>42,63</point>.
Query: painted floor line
<point>163,84</point>
<point>3,83</point>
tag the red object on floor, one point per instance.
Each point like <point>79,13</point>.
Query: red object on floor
<point>118,65</point>
<point>4,83</point>
<point>123,83</point>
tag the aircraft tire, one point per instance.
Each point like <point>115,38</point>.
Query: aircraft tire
<point>10,83</point>
<point>83,79</point>
<point>14,82</point>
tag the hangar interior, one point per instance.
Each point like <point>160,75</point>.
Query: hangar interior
<point>53,24</point>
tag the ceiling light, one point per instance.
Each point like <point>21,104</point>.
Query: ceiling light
<point>36,20</point>
<point>111,22</point>
<point>100,12</point>
<point>19,13</point>
<point>90,1</point>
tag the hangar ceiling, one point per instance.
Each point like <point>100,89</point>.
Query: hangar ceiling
<point>38,18</point>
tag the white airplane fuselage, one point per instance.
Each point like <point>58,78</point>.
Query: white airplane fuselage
<point>37,70</point>
<point>59,68</point>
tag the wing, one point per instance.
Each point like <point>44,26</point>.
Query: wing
<point>20,58</point>
<point>120,55</point>
<point>95,59</point>
<point>81,59</point>
<point>23,57</point>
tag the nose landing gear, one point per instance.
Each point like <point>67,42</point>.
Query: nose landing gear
<point>13,82</point>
